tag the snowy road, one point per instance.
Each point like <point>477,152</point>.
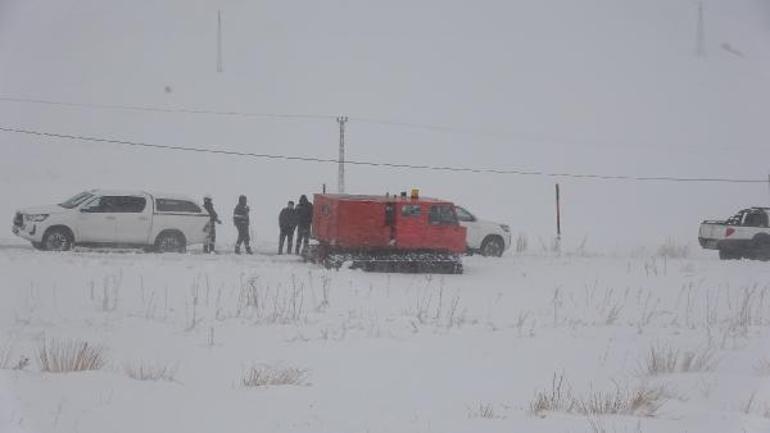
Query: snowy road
<point>380,352</point>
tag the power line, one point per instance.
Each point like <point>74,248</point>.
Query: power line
<point>361,119</point>
<point>378,164</point>
<point>523,137</point>
<point>166,110</point>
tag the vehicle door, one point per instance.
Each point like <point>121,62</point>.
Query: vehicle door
<point>442,226</point>
<point>410,227</point>
<point>132,219</point>
<point>96,221</point>
<point>744,225</point>
<point>474,231</point>
<point>182,215</point>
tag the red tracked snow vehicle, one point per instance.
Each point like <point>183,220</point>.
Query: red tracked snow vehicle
<point>387,233</point>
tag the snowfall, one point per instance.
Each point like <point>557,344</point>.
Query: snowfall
<point>630,328</point>
<point>347,351</point>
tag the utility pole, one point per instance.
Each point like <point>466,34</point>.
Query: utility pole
<point>700,33</point>
<point>558,220</point>
<point>219,41</point>
<point>341,159</point>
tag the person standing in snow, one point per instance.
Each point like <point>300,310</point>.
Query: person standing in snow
<point>241,221</point>
<point>287,221</point>
<point>211,238</point>
<point>304,221</point>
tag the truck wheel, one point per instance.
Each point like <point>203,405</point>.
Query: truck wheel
<point>57,239</point>
<point>492,246</point>
<point>170,242</point>
<point>762,247</point>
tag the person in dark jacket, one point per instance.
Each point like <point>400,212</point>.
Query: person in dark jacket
<point>241,221</point>
<point>304,221</point>
<point>287,221</point>
<point>211,238</point>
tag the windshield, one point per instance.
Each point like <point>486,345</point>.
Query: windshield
<point>736,219</point>
<point>76,200</point>
<point>464,215</point>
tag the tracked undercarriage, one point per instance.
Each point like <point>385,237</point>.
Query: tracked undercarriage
<point>386,261</point>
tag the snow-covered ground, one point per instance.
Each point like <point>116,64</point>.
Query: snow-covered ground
<point>597,86</point>
<point>382,352</point>
<point>612,87</point>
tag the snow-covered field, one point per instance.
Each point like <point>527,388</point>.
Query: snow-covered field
<point>190,343</point>
<point>366,352</point>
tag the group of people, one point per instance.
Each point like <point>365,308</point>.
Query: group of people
<point>291,218</point>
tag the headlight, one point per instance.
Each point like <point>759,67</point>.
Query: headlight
<point>505,228</point>
<point>36,218</point>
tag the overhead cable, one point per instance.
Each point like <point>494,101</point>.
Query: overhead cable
<point>395,165</point>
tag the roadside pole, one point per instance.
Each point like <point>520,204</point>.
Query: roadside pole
<point>557,246</point>
<point>219,41</point>
<point>341,159</point>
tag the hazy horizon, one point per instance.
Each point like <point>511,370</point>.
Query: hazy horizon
<point>612,88</point>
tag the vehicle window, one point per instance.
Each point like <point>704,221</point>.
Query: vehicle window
<point>755,218</point>
<point>128,204</point>
<point>464,215</point>
<point>116,204</point>
<point>736,219</point>
<point>93,206</point>
<point>99,205</point>
<point>442,215</point>
<point>411,210</point>
<point>171,205</point>
<point>76,200</point>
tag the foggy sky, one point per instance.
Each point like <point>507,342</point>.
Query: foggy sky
<point>609,87</point>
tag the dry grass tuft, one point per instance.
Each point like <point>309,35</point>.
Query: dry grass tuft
<point>665,359</point>
<point>559,398</point>
<point>5,356</point>
<point>57,356</point>
<point>151,372</point>
<point>262,375</point>
<point>752,407</point>
<point>641,400</point>
<point>673,250</point>
<point>522,243</point>
<point>483,410</point>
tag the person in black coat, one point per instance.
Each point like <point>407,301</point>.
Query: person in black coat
<point>211,238</point>
<point>241,221</point>
<point>287,221</point>
<point>304,221</point>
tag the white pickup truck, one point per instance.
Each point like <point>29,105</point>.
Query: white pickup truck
<point>488,238</point>
<point>98,218</point>
<point>744,235</point>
